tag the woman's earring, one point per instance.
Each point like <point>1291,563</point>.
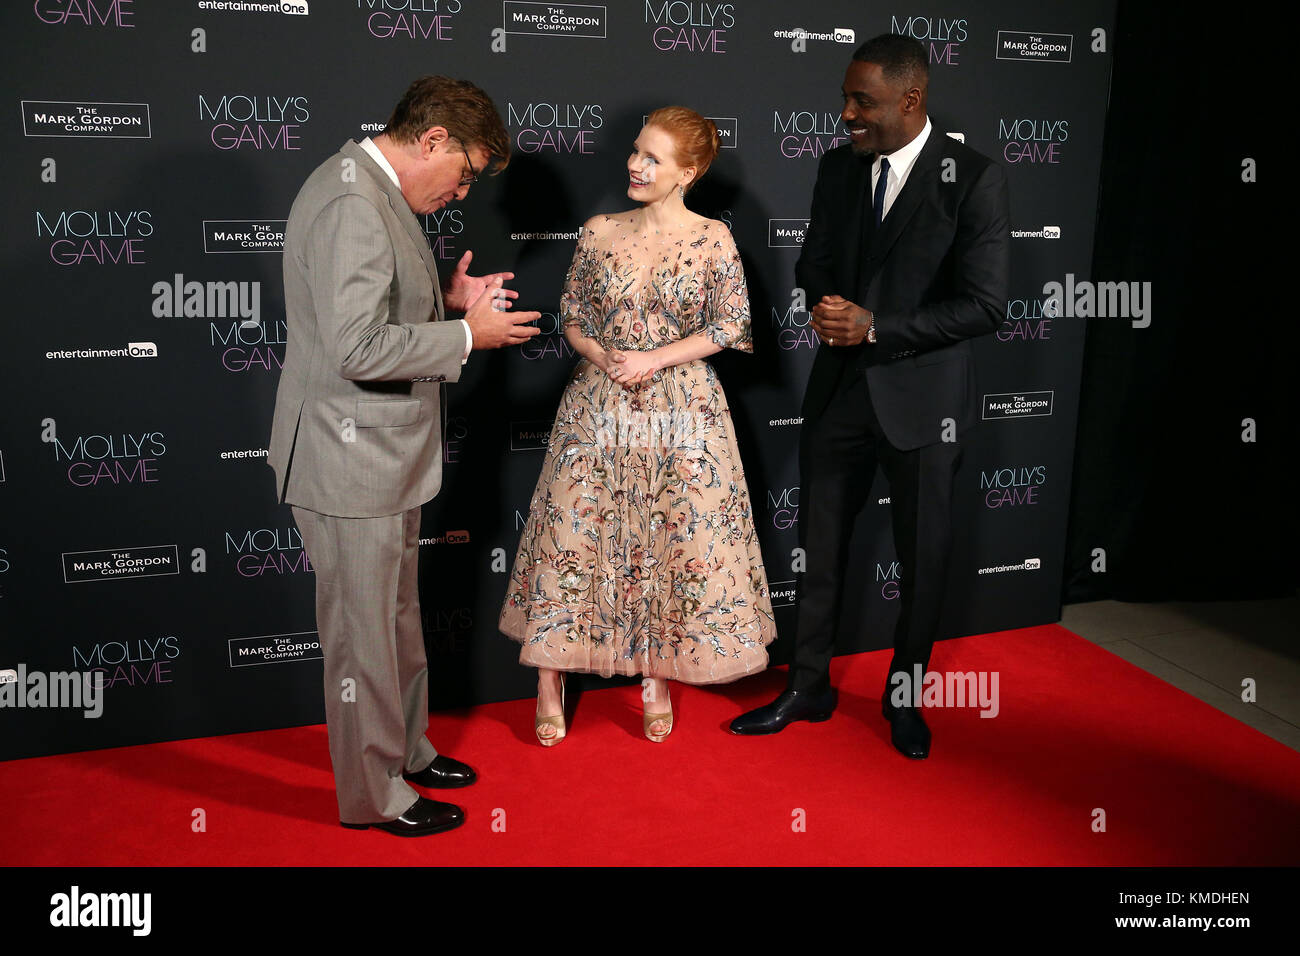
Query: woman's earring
<point>681,193</point>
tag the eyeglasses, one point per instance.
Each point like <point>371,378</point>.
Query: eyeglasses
<point>473,173</point>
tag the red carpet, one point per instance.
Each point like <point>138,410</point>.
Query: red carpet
<point>1079,728</point>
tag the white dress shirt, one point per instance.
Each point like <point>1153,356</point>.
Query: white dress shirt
<point>369,146</point>
<point>901,162</point>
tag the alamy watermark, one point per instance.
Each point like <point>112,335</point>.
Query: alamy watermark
<point>77,690</point>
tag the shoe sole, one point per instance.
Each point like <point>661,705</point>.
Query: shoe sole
<point>442,786</point>
<point>403,833</point>
<point>812,719</point>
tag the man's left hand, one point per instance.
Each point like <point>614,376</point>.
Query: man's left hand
<point>462,288</point>
<point>837,321</point>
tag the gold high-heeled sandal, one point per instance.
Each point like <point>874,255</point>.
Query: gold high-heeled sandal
<point>557,721</point>
<point>648,719</point>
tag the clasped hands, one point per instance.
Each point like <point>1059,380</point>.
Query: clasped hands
<point>838,322</point>
<point>629,368</point>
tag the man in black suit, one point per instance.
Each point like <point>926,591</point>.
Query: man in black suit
<point>906,258</point>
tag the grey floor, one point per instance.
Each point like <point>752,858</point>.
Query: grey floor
<point>1208,649</point>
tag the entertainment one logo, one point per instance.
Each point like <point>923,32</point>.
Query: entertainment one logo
<point>1029,564</point>
<point>1018,405</point>
<point>86,120</point>
<point>255,122</point>
<point>441,228</point>
<point>555,127</point>
<point>1035,47</point>
<point>410,19</point>
<point>800,36</point>
<point>689,26</point>
<point>104,237</point>
<point>129,663</point>
<point>550,343</point>
<point>527,18</point>
<point>118,563</point>
<point>1045,232</point>
<point>1033,141</point>
<point>131,350</point>
<point>121,459</point>
<point>297,8</point>
<point>87,13</point>
<point>263,551</point>
<point>1010,487</point>
<point>243,235</point>
<point>941,36</point>
<point>1028,320</point>
<point>274,649</point>
<point>805,133</point>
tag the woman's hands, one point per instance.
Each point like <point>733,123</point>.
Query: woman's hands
<point>630,369</point>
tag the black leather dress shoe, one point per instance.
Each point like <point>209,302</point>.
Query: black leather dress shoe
<point>444,774</point>
<point>909,734</point>
<point>792,705</point>
<point>421,818</point>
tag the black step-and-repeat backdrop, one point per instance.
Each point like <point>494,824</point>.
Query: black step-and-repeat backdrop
<point>152,153</point>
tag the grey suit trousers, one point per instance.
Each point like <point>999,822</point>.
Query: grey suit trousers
<point>376,672</point>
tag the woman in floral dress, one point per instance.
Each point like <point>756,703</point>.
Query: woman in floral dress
<point>640,554</point>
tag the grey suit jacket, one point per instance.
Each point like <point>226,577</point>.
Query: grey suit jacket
<point>357,430</point>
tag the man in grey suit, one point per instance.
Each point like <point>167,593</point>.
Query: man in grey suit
<point>356,441</point>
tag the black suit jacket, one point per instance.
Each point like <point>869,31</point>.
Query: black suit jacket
<point>935,274</point>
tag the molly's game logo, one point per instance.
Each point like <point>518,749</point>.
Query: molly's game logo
<point>555,127</point>
<point>689,26</point>
<point>807,134</point>
<point>941,36</point>
<point>241,121</point>
<point>104,237</point>
<point>410,19</point>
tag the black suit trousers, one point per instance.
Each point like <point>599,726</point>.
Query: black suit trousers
<point>838,456</point>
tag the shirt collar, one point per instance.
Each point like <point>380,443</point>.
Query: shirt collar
<point>902,159</point>
<point>369,146</point>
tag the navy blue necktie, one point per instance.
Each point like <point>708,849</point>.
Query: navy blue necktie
<point>878,200</point>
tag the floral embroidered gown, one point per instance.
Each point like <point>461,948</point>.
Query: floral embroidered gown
<point>640,555</point>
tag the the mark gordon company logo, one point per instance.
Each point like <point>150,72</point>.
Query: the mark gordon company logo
<point>87,120</point>
<point>274,649</point>
<point>1018,405</point>
<point>118,563</point>
<point>243,235</point>
<point>526,18</point>
<point>1035,47</point>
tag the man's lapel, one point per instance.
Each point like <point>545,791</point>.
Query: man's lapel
<point>404,215</point>
<point>919,182</point>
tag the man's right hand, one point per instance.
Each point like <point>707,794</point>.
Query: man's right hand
<point>494,329</point>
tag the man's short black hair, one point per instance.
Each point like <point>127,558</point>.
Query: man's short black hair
<point>901,58</point>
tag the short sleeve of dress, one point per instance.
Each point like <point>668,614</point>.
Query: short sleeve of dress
<point>727,321</point>
<point>575,299</point>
